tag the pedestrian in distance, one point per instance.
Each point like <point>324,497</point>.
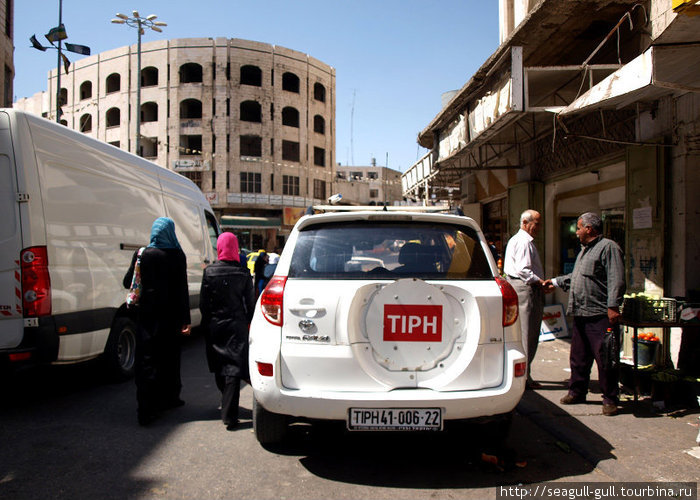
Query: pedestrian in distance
<point>227,302</point>
<point>162,314</point>
<point>523,269</point>
<point>596,288</point>
<point>259,271</point>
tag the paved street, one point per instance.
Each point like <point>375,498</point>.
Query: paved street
<point>72,435</point>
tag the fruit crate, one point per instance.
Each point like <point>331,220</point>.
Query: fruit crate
<point>642,309</point>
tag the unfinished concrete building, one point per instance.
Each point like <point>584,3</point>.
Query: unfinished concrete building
<point>368,184</point>
<point>7,52</point>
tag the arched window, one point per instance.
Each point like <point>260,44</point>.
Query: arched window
<point>86,123</point>
<point>149,76</point>
<point>113,117</point>
<point>149,112</point>
<point>190,108</point>
<point>251,75</point>
<point>251,111</point>
<point>86,90</point>
<point>290,117</point>
<point>319,124</point>
<point>113,83</point>
<point>191,73</point>
<point>319,92</point>
<point>290,82</point>
<point>64,97</point>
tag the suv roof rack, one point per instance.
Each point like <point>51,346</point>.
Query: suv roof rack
<point>381,208</point>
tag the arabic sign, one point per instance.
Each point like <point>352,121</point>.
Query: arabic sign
<point>191,165</point>
<point>553,323</point>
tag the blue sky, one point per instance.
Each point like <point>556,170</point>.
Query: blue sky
<point>393,58</point>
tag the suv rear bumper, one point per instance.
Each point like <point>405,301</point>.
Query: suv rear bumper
<point>332,405</point>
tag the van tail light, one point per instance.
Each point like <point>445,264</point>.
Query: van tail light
<point>271,300</point>
<point>510,301</point>
<point>36,283</point>
<point>520,369</point>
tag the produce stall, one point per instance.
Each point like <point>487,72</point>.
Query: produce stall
<point>642,311</point>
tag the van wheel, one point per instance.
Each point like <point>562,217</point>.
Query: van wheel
<point>120,352</point>
<point>269,428</point>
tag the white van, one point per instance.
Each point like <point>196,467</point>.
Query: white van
<point>74,209</point>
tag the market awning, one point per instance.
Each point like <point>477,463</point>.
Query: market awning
<point>244,222</point>
<point>659,71</point>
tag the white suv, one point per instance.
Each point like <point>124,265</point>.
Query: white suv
<point>387,320</point>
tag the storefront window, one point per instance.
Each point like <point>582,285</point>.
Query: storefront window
<point>495,224</point>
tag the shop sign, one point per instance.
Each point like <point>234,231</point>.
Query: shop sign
<point>290,215</point>
<point>191,165</point>
<point>212,197</point>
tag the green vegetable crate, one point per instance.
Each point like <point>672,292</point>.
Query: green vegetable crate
<point>644,308</point>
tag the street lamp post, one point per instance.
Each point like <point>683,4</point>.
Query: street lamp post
<point>138,22</point>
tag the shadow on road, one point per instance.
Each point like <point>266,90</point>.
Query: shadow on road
<point>69,433</point>
<point>457,458</point>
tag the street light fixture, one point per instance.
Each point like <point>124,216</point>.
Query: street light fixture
<point>138,22</point>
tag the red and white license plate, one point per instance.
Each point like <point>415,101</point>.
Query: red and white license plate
<point>395,419</point>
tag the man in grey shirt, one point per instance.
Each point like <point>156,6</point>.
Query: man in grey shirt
<point>596,288</point>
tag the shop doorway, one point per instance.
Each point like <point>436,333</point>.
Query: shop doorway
<point>495,224</point>
<point>569,244</point>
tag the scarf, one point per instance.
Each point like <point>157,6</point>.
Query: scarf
<point>227,247</point>
<point>163,234</point>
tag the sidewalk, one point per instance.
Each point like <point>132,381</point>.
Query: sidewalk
<point>639,444</point>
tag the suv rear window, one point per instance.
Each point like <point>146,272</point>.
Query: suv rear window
<point>366,250</point>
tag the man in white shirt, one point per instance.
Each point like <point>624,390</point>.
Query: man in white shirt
<point>523,268</point>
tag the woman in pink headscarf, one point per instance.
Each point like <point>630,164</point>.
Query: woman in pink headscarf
<point>226,301</point>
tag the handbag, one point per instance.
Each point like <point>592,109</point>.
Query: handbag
<point>610,355</point>
<point>132,298</point>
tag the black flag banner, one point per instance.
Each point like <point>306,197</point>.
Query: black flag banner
<point>36,44</point>
<point>78,49</point>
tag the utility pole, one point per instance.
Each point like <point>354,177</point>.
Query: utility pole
<point>58,65</point>
<point>138,22</point>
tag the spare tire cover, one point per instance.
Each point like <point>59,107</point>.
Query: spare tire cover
<point>410,325</point>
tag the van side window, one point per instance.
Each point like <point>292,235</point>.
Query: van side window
<point>213,229</point>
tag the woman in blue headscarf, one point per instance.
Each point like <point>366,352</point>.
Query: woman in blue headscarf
<point>163,312</point>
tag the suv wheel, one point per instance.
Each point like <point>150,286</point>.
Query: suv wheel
<point>269,428</point>
<point>119,355</point>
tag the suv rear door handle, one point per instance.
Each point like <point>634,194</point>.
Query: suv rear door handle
<point>308,312</point>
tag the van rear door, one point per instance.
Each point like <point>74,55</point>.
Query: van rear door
<point>11,322</point>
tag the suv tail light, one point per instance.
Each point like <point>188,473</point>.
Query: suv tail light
<point>510,301</point>
<point>36,283</point>
<point>272,300</point>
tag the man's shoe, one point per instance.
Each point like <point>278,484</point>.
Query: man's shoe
<point>570,399</point>
<point>609,410</point>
